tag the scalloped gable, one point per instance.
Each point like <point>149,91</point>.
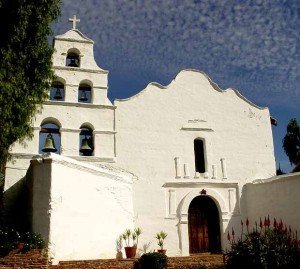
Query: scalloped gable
<point>74,35</point>
<point>185,75</point>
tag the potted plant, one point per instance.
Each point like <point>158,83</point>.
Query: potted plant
<point>130,250</point>
<point>161,236</point>
<point>119,245</point>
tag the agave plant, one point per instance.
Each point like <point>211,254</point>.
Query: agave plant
<point>134,235</point>
<point>119,243</point>
<point>126,237</point>
<point>161,236</point>
<point>137,232</point>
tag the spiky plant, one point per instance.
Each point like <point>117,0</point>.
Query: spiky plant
<point>161,236</point>
<point>138,232</point>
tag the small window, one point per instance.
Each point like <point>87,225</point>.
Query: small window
<point>49,138</point>
<point>73,59</point>
<point>84,93</point>
<point>199,155</point>
<point>57,91</point>
<point>86,142</point>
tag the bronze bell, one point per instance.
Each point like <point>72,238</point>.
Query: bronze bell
<point>85,149</point>
<point>49,144</point>
<point>83,97</point>
<point>57,95</point>
<point>73,62</point>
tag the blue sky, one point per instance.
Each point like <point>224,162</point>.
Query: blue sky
<point>251,45</point>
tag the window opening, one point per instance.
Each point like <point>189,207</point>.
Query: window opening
<point>199,155</point>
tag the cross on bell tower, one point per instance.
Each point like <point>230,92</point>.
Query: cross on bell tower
<point>74,20</point>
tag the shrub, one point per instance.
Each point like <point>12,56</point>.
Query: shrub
<point>10,238</point>
<point>153,260</point>
<point>265,247</point>
<point>32,241</point>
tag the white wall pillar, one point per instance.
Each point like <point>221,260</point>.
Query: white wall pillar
<point>172,202</point>
<point>184,235</point>
<point>214,171</point>
<point>186,171</point>
<point>71,93</point>
<point>224,169</point>
<point>177,167</point>
<point>230,198</point>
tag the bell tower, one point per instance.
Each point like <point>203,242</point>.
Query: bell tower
<point>73,61</point>
<point>78,105</point>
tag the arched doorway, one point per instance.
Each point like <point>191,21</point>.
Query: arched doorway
<point>204,225</point>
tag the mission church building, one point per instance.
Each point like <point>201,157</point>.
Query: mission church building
<point>187,158</point>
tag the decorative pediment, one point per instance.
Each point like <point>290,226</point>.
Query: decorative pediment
<point>74,35</point>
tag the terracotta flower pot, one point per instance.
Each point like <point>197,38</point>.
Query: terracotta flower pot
<point>20,246</point>
<point>162,251</point>
<point>130,252</point>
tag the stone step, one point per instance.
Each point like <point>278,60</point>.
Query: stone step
<point>173,262</point>
<point>38,260</point>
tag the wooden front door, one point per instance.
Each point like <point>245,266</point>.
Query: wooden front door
<point>204,229</point>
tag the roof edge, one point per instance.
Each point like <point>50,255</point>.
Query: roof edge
<point>62,37</point>
<point>213,84</point>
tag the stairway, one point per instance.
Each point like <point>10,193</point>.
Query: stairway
<point>173,262</point>
<point>37,259</point>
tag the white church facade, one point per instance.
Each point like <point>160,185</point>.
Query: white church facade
<point>188,158</point>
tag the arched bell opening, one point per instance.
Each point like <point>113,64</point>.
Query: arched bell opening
<point>57,91</point>
<point>204,226</point>
<point>49,138</point>
<point>84,93</point>
<point>86,141</point>
<point>73,59</point>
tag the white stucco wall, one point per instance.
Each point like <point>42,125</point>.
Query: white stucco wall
<point>160,123</point>
<point>81,209</point>
<point>277,197</point>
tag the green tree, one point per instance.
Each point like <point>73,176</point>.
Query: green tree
<point>291,141</point>
<point>25,68</point>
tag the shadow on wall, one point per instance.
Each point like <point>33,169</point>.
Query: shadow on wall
<point>234,227</point>
<point>17,205</point>
<point>18,201</point>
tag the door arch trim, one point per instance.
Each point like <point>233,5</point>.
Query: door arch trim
<point>182,213</point>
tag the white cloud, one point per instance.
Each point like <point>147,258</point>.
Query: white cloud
<point>254,43</point>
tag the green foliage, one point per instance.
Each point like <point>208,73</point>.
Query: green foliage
<point>291,141</point>
<point>134,235</point>
<point>10,238</point>
<point>161,236</point>
<point>32,241</point>
<point>25,66</point>
<point>153,260</point>
<point>265,248</point>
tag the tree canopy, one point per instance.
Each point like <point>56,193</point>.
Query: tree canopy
<point>291,142</point>
<point>25,66</point>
